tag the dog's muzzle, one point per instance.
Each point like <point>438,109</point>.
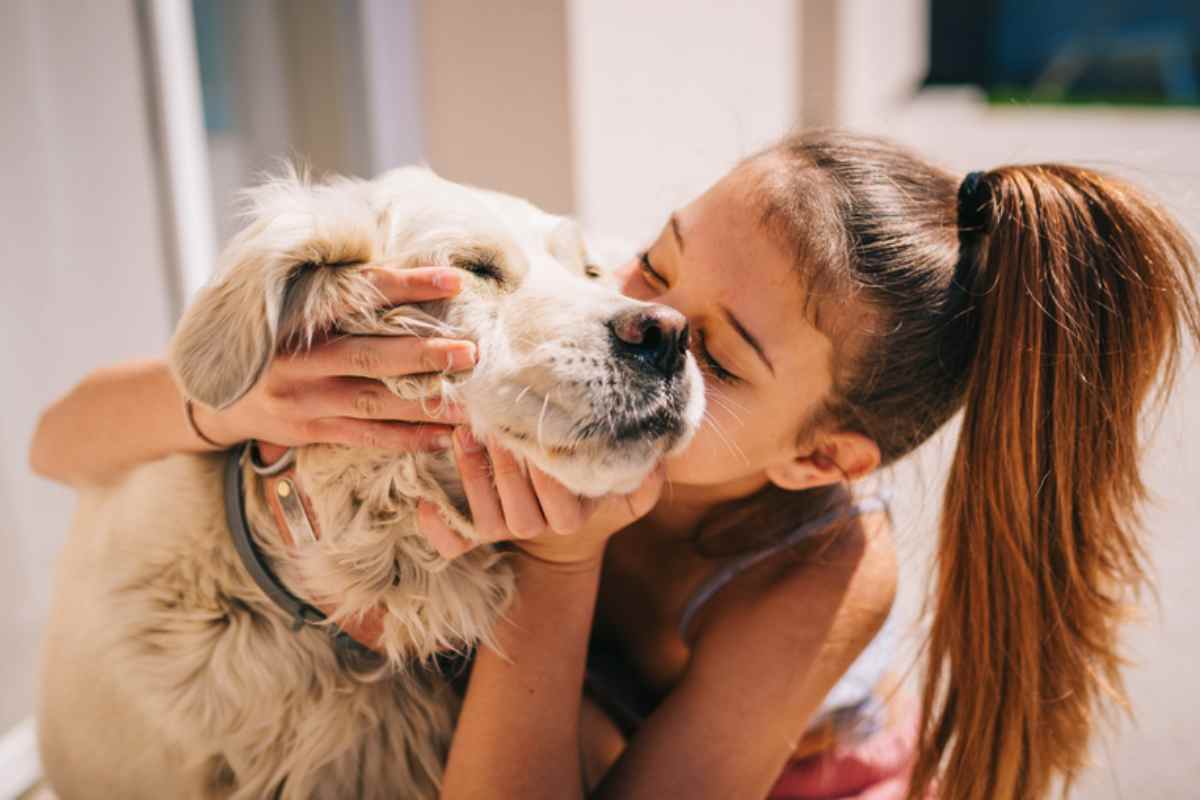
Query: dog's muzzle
<point>653,339</point>
<point>644,394</point>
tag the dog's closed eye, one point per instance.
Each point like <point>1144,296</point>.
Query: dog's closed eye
<point>484,269</point>
<point>480,264</point>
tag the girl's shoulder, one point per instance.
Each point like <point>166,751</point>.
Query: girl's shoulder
<point>818,556</point>
<point>788,636</point>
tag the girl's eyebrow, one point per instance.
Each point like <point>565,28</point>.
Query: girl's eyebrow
<point>749,337</point>
<point>675,230</point>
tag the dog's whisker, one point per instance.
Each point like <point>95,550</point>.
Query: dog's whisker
<point>718,402</point>
<point>729,444</point>
<point>726,404</point>
<point>722,391</point>
<point>725,400</point>
<point>542,419</point>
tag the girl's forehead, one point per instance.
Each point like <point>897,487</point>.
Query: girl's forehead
<point>739,265</point>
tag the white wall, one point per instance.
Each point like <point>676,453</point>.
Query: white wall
<point>881,60</point>
<point>83,280</point>
<point>494,103</point>
<point>666,96</point>
<point>859,60</point>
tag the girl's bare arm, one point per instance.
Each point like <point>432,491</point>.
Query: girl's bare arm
<point>763,658</point>
<point>115,418</point>
<point>518,734</point>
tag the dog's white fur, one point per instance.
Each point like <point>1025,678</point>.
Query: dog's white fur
<point>167,673</point>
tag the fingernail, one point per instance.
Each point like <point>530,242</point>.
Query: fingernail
<point>467,441</point>
<point>448,544</point>
<point>442,356</point>
<point>462,356</point>
<point>448,279</point>
<point>446,411</point>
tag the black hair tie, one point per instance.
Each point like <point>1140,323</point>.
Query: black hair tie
<point>974,201</point>
<point>961,309</point>
<point>974,211</point>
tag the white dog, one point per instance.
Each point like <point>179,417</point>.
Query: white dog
<point>169,672</point>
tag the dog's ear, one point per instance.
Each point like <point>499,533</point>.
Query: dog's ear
<point>604,255</point>
<point>565,243</point>
<point>228,335</point>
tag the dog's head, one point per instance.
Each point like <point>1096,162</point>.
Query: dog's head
<point>591,386</point>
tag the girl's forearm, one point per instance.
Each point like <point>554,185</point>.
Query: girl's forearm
<point>114,419</point>
<point>518,733</point>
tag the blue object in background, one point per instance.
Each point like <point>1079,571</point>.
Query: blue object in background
<point>1144,50</point>
<point>216,91</point>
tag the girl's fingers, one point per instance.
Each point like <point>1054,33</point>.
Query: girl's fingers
<point>381,357</point>
<point>522,513</point>
<point>376,435</point>
<point>415,284</point>
<point>476,473</point>
<point>564,511</point>
<point>641,500</point>
<point>507,503</point>
<point>363,398</point>
<point>443,538</point>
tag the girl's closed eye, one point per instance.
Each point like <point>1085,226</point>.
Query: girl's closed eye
<point>711,364</point>
<point>647,270</point>
<point>653,277</point>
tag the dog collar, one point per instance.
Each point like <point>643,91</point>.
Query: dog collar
<point>294,522</point>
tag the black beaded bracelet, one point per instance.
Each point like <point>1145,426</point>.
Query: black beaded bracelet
<point>190,410</point>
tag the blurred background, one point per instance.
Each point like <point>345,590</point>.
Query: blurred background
<point>126,127</point>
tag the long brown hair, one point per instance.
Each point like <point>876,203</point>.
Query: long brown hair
<point>1052,319</point>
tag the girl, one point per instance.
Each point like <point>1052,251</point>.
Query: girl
<point>846,299</point>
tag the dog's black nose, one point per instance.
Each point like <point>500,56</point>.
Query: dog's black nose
<point>655,336</point>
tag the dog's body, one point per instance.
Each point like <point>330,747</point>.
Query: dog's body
<point>168,672</point>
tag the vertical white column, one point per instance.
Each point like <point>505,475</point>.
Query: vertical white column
<point>83,284</point>
<point>180,118</point>
<point>391,40</point>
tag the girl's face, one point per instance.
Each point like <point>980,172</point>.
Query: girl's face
<point>766,366</point>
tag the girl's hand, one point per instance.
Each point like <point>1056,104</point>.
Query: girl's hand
<point>330,393</point>
<point>546,520</point>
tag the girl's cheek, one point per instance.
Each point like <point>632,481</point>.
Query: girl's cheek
<point>710,458</point>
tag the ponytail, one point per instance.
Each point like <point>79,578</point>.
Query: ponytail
<point>1080,296</point>
<point>1051,302</point>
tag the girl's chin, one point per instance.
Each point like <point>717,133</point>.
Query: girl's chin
<point>683,469</point>
<point>708,466</point>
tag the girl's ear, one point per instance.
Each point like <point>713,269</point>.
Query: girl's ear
<point>835,458</point>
